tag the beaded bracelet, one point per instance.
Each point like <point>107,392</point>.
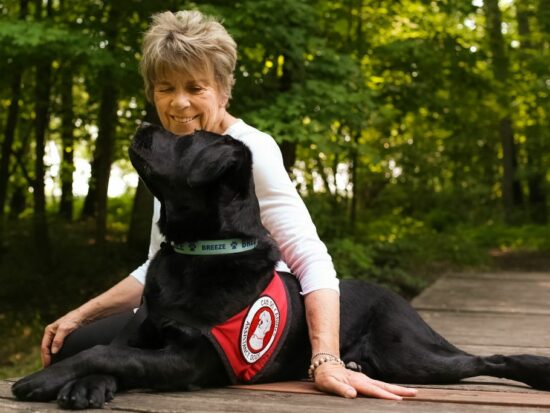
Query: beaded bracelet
<point>314,364</point>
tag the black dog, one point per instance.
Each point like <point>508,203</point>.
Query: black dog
<point>204,183</point>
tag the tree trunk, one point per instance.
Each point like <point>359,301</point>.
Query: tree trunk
<point>354,187</point>
<point>107,121</point>
<point>104,151</point>
<point>18,202</point>
<point>538,209</point>
<point>9,137</point>
<point>356,135</point>
<point>90,202</point>
<point>511,189</point>
<point>42,118</point>
<point>288,149</point>
<point>142,209</point>
<point>67,139</point>
<point>543,16</point>
<point>41,236</point>
<point>9,132</point>
<point>323,174</point>
<point>140,222</point>
<point>536,177</point>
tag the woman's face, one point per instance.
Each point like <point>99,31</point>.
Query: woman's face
<point>185,104</point>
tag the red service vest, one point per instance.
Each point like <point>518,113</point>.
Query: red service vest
<point>249,340</point>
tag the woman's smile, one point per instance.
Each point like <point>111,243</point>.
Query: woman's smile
<point>187,103</point>
<point>183,120</point>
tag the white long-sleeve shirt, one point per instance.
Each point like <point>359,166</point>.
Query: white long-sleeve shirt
<point>283,213</point>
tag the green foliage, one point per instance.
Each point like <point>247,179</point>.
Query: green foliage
<point>406,254</point>
<point>375,262</point>
<point>506,238</point>
<point>403,90</point>
<point>120,209</point>
<point>32,41</point>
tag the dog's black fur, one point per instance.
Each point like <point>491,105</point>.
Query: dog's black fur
<point>204,183</point>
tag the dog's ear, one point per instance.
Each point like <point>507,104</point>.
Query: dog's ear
<point>214,161</point>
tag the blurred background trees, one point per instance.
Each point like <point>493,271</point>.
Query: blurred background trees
<point>417,131</point>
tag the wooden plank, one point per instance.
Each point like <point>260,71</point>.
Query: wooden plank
<point>295,402</point>
<point>5,389</point>
<point>308,388</point>
<point>480,383</point>
<point>487,294</point>
<point>483,383</point>
<point>432,394</point>
<point>225,400</point>
<point>305,387</point>
<point>484,397</point>
<point>13,406</point>
<point>490,329</point>
<point>239,400</point>
<point>513,276</point>
<point>488,350</point>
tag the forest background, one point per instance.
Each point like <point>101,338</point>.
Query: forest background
<point>418,133</point>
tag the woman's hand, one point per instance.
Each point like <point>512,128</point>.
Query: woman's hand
<point>323,318</point>
<point>335,378</point>
<point>55,333</point>
<point>123,296</point>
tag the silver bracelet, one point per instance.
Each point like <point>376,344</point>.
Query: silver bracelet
<point>325,358</point>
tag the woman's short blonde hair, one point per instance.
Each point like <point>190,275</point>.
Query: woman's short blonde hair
<point>191,43</point>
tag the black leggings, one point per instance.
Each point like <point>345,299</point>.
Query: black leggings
<point>98,332</point>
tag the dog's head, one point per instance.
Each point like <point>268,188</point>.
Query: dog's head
<point>203,181</point>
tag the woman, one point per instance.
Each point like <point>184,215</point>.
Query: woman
<point>187,66</point>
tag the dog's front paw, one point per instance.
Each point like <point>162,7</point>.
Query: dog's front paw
<point>88,392</point>
<point>41,386</point>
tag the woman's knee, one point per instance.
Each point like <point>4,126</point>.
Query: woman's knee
<point>102,331</point>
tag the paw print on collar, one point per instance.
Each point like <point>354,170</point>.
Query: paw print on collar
<point>234,245</point>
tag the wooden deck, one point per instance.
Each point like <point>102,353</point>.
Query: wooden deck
<point>488,313</point>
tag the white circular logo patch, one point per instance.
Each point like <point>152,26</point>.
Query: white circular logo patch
<point>259,329</point>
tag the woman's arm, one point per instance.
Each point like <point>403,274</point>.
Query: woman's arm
<point>123,296</point>
<point>287,219</point>
<point>323,320</point>
<point>284,213</point>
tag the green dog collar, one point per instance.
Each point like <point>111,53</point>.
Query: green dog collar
<point>215,247</point>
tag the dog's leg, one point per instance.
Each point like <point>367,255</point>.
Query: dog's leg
<point>407,350</point>
<point>115,367</point>
<point>397,345</point>
<point>421,363</point>
<point>529,369</point>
